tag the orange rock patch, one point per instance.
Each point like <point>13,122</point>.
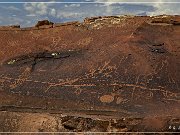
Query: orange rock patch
<point>107,98</point>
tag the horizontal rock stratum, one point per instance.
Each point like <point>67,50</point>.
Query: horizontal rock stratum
<point>112,67</point>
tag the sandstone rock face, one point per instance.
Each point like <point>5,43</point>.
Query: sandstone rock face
<point>115,67</point>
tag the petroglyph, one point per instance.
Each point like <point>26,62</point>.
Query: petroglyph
<point>129,65</point>
<point>133,90</point>
<point>21,78</point>
<point>106,98</point>
<point>78,90</point>
<point>85,41</point>
<point>66,82</point>
<point>119,100</point>
<point>2,83</point>
<point>55,41</point>
<point>79,83</point>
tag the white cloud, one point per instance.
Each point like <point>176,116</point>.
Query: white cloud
<point>72,5</point>
<point>66,14</point>
<point>52,12</point>
<point>170,9</point>
<point>11,20</point>
<point>10,8</point>
<point>31,15</point>
<point>161,8</point>
<point>40,9</point>
<point>13,8</point>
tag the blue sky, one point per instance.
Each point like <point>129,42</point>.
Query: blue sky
<point>27,14</point>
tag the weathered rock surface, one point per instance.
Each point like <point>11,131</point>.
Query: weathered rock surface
<point>106,68</point>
